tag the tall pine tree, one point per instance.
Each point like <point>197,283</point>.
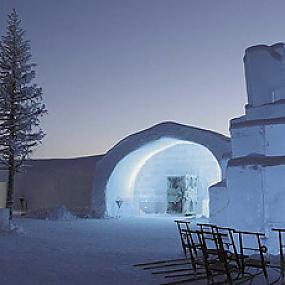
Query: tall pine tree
<point>21,104</point>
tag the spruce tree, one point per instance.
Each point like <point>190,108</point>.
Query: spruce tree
<point>21,104</point>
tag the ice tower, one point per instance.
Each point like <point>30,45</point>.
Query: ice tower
<point>255,183</point>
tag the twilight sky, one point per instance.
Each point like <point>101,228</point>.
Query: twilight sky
<point>110,68</point>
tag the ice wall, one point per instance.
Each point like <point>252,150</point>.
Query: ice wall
<point>179,160</point>
<point>50,183</point>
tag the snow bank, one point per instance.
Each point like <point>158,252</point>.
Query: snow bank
<point>60,213</point>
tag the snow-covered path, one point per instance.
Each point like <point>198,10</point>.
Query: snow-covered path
<point>97,252</point>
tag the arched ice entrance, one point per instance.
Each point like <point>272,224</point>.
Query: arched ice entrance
<point>165,176</point>
<point>142,169</point>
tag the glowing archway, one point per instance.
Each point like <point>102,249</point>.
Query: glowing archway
<point>217,144</point>
<point>123,182</point>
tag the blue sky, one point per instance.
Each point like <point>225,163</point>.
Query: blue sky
<point>110,68</point>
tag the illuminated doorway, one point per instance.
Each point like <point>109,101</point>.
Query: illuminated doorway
<point>141,180</point>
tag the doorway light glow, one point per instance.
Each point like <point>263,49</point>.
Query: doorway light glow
<point>128,181</point>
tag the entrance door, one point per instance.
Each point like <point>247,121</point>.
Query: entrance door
<point>190,195</point>
<point>175,188</point>
<point>182,195</point>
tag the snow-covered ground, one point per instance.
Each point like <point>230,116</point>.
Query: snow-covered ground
<point>91,251</point>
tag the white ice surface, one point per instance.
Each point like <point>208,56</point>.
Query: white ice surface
<point>97,252</point>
